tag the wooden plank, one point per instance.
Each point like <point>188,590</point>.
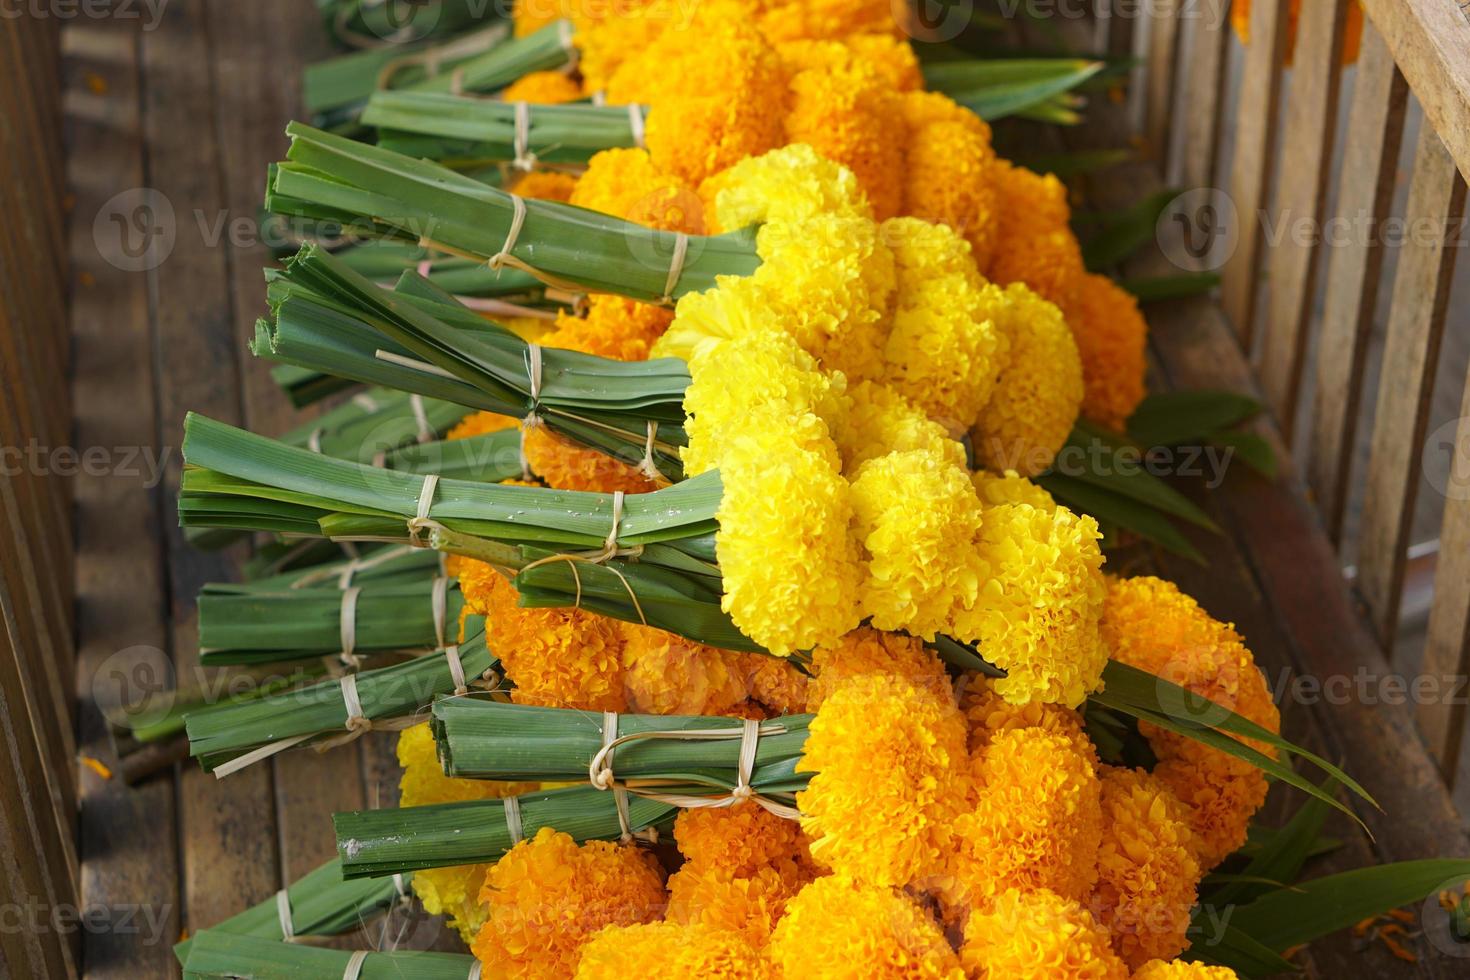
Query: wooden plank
<point>1163,50</point>
<point>128,835</point>
<point>228,829</point>
<point>259,50</point>
<point>1411,353</point>
<point>1447,644</point>
<point>1374,134</point>
<point>1204,81</point>
<point>1256,114</point>
<point>1301,202</point>
<point>1430,40</point>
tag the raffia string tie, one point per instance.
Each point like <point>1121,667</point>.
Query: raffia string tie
<point>421,418</point>
<point>637,124</point>
<point>347,627</point>
<point>524,158</point>
<point>314,441</point>
<point>676,267</point>
<point>505,256</point>
<point>513,820</point>
<point>357,722</point>
<point>283,913</point>
<point>365,402</point>
<point>646,466</point>
<point>610,550</point>
<point>534,372</point>
<point>474,973</point>
<point>439,607</point>
<point>353,970</point>
<point>421,520</point>
<point>603,777</point>
<point>564,35</point>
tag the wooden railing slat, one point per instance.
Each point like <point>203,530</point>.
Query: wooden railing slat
<point>1204,79</point>
<point>1411,353</point>
<point>1163,46</point>
<point>1301,200</point>
<point>1430,40</point>
<point>1447,644</point>
<point>1374,135</point>
<point>1256,114</point>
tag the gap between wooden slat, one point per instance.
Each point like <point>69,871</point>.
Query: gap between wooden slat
<point>1208,33</point>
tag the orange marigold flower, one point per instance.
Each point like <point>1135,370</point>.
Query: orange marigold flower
<point>776,683</point>
<point>626,184</point>
<point>1352,34</point>
<point>865,655</point>
<point>739,840</point>
<point>794,20</point>
<point>480,424</point>
<point>547,897</point>
<point>546,185</point>
<point>543,88</point>
<point>1110,334</point>
<point>559,658</point>
<point>948,170</point>
<point>882,747</point>
<point>672,949</point>
<point>665,674</point>
<point>564,466</point>
<point>849,113</point>
<point>1040,249</point>
<point>1147,872</point>
<point>1038,935</point>
<point>837,928</point>
<point>1180,970</point>
<point>615,327</point>
<point>1149,624</point>
<point>1034,823</point>
<point>750,905</point>
<point>989,715</point>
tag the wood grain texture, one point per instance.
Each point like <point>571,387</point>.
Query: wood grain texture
<point>1430,40</point>
<point>1365,193</point>
<point>1207,39</point>
<point>1256,113</point>
<point>1410,355</point>
<point>1163,53</point>
<point>128,835</point>
<point>1301,204</point>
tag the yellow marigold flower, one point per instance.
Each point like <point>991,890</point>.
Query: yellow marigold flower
<point>880,420</point>
<point>1147,872</point>
<point>776,683</point>
<point>1180,970</point>
<point>788,185</point>
<point>546,897</point>
<point>948,165</point>
<point>1110,334</point>
<point>1039,606</point>
<point>1149,624</point>
<point>1040,249</point>
<point>946,346</point>
<point>480,424</point>
<point>1352,37</point>
<point>748,905</point>
<point>790,565</point>
<point>609,33</point>
<point>888,760</point>
<point>1038,935</point>
<point>911,509</point>
<point>1034,823</point>
<point>627,184</point>
<point>837,928</point>
<point>794,20</point>
<point>1037,398</point>
<point>454,892</point>
<point>666,674</point>
<point>560,658</point>
<point>759,375</point>
<point>543,88</point>
<point>843,108</point>
<point>1011,488</point>
<point>738,839</point>
<point>529,16</point>
<point>866,655</point>
<point>670,949</point>
<point>989,714</point>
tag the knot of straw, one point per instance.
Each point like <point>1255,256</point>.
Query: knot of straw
<point>506,257</point>
<point>676,268</point>
<point>347,627</point>
<point>421,520</point>
<point>600,771</point>
<point>637,124</point>
<point>646,467</point>
<point>610,550</point>
<point>523,159</point>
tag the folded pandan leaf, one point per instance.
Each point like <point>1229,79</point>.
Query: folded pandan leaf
<point>216,954</point>
<point>371,24</point>
<point>372,843</point>
<point>228,736</point>
<point>320,903</point>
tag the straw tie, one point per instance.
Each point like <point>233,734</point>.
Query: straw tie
<point>513,820</point>
<point>646,466</point>
<point>347,627</point>
<point>283,913</point>
<point>637,124</point>
<point>421,520</point>
<point>524,159</point>
<point>353,970</point>
<point>676,267</point>
<point>610,550</point>
<point>421,419</point>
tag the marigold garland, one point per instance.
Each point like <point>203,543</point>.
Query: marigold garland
<point>1038,935</point>
<point>669,949</point>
